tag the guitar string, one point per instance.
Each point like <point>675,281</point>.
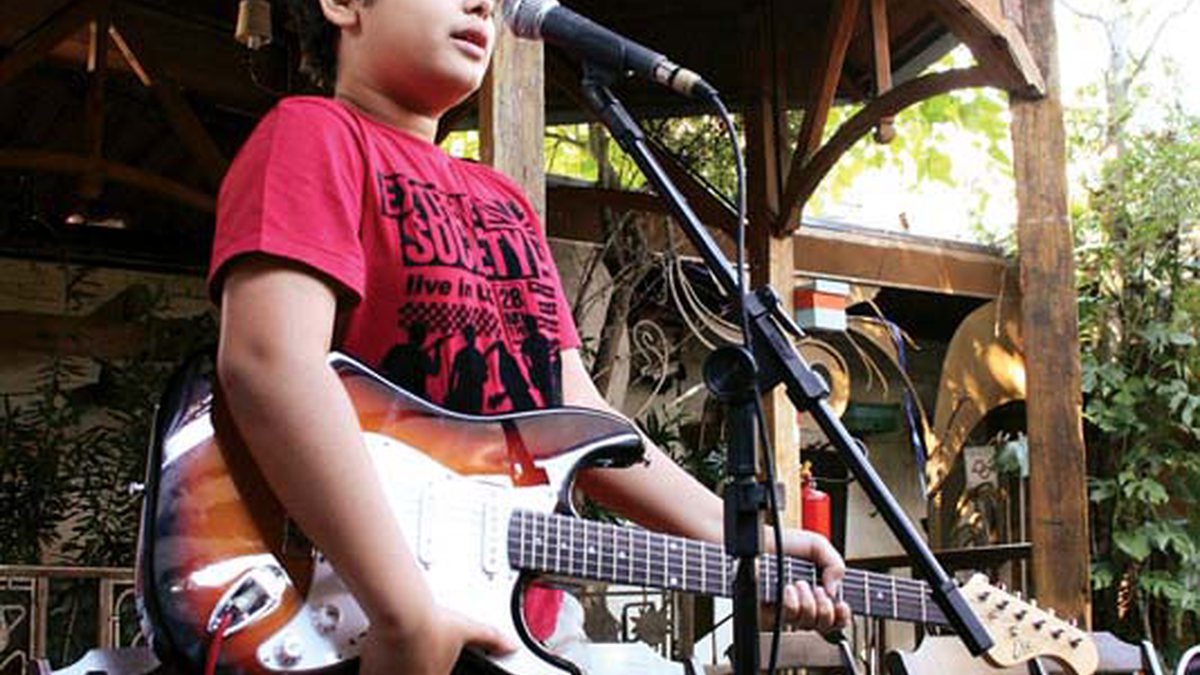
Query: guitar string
<point>910,595</point>
<point>796,569</point>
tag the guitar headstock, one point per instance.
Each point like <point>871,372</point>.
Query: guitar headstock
<point>1021,630</point>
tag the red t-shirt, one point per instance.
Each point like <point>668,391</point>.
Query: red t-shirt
<point>446,280</point>
<point>446,284</point>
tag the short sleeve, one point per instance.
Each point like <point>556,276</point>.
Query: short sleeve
<point>295,192</point>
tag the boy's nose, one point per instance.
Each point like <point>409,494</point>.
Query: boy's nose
<point>484,8</point>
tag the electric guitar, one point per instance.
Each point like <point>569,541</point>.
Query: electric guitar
<point>484,503</point>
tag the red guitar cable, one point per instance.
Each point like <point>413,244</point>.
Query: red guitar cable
<point>214,647</point>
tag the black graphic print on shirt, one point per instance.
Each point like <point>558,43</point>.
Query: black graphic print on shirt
<point>478,315</point>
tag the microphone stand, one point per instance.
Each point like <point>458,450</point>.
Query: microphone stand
<point>732,373</point>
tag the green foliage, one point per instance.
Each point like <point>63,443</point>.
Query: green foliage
<point>1139,306</point>
<point>69,452</point>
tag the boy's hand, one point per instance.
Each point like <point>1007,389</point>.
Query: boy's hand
<point>431,651</point>
<point>807,607</point>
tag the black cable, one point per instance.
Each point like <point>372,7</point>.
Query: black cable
<point>760,413</point>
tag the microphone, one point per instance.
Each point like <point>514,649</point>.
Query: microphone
<point>547,20</point>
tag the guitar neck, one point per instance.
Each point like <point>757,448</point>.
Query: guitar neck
<point>603,552</point>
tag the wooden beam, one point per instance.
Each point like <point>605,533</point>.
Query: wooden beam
<point>828,73</point>
<point>881,58</point>
<point>35,46</point>
<point>512,117</point>
<point>92,183</point>
<point>857,255</point>
<point>35,160</point>
<point>212,162</point>
<point>770,255</point>
<point>1058,499</point>
<point>901,261</point>
<point>842,20</point>
<point>996,42</point>
<point>803,181</point>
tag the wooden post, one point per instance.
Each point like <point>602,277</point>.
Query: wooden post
<point>772,258</point>
<point>512,115</point>
<point>1049,320</point>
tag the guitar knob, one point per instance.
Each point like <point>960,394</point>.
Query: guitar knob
<point>289,651</point>
<point>327,618</point>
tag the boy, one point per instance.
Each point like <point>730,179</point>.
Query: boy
<point>342,226</point>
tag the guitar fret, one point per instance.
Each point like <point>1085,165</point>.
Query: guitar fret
<point>895,606</point>
<point>521,556</point>
<point>546,544</point>
<point>867,592</point>
<point>683,568</point>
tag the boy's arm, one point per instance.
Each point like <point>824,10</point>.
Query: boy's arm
<point>298,422</point>
<point>663,496</point>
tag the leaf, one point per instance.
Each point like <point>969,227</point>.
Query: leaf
<point>1134,544</point>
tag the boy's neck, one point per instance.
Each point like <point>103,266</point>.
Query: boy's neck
<point>384,109</point>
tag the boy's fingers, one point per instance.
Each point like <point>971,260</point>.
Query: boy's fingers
<point>826,614</point>
<point>807,611</point>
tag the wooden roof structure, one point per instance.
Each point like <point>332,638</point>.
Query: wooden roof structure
<point>139,119</point>
<point>124,114</point>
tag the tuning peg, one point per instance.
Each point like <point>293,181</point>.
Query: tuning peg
<point>1075,642</point>
<point>1056,633</point>
<point>1021,614</point>
<point>1003,587</point>
<point>1050,611</point>
<point>1074,623</point>
<point>1019,596</point>
<point>984,596</point>
<point>1037,625</point>
<point>1033,602</point>
<point>1002,605</point>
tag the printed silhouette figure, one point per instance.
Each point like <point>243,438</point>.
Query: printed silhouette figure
<point>542,362</point>
<point>467,376</point>
<point>516,388</point>
<point>409,365</point>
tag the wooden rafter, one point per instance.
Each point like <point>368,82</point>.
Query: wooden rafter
<point>881,57</point>
<point>56,162</point>
<point>996,42</point>
<point>828,74</point>
<point>188,127</point>
<point>35,46</point>
<point>92,182</point>
<point>805,179</point>
<point>816,110</point>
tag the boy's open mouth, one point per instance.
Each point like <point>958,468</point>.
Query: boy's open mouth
<point>472,36</point>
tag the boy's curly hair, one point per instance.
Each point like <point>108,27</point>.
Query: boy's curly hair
<point>318,41</point>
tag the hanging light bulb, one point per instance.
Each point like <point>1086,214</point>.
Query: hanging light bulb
<point>254,23</point>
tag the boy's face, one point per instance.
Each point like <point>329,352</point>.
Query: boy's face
<point>425,55</point>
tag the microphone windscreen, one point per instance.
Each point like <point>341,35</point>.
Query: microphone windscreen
<point>524,17</point>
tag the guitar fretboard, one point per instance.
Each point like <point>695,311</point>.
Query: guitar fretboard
<point>603,552</point>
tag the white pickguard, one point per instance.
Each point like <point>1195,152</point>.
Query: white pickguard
<point>457,528</point>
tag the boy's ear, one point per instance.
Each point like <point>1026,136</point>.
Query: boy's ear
<point>341,13</point>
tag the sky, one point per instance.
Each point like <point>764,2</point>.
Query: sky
<point>879,197</point>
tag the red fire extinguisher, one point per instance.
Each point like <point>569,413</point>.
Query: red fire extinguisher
<point>815,505</point>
